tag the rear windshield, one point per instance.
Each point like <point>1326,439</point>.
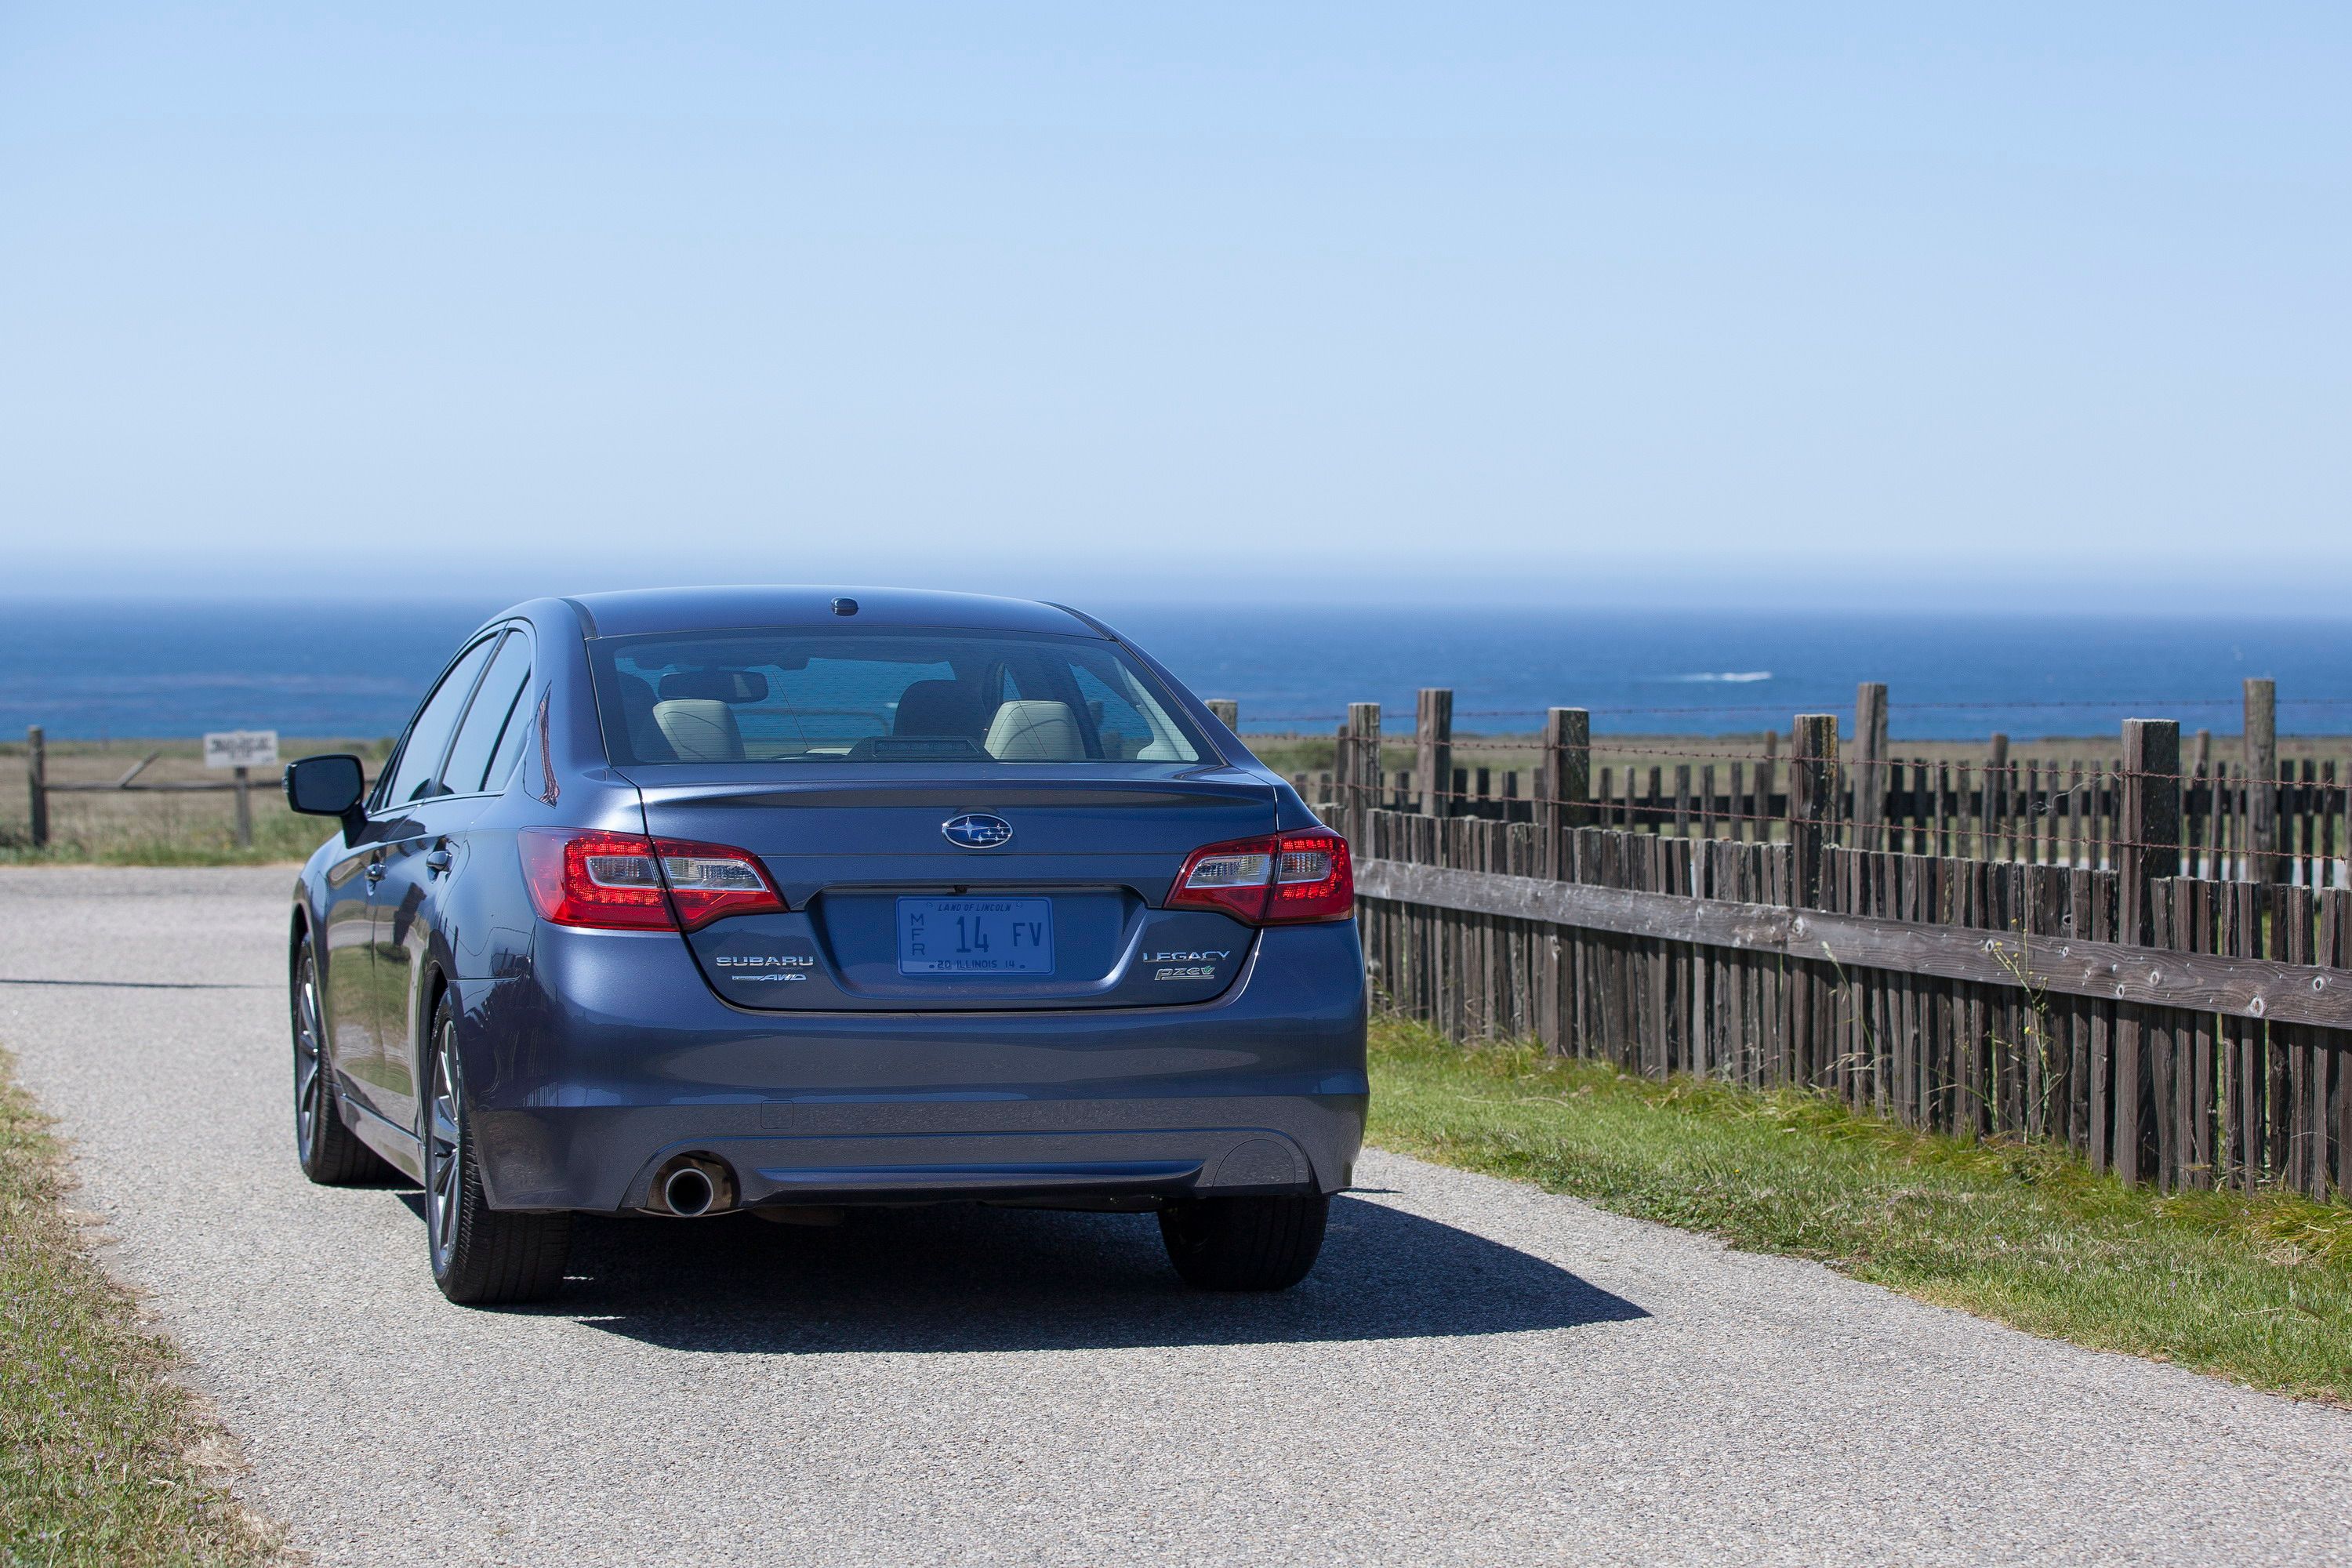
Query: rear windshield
<point>847,695</point>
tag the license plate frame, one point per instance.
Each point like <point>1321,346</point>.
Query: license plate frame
<point>1001,936</point>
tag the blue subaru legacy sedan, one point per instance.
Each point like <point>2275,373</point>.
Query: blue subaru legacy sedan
<point>786,899</point>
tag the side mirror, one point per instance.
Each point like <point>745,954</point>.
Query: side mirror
<point>331,786</point>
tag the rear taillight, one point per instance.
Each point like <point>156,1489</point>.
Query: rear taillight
<point>1275,880</point>
<point>606,880</point>
<point>1313,879</point>
<point>1233,878</point>
<point>710,881</point>
<point>627,881</point>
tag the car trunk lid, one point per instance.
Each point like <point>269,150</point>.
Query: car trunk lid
<point>886,911</point>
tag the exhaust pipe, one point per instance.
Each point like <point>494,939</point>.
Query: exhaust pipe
<point>688,1192</point>
<point>693,1185</point>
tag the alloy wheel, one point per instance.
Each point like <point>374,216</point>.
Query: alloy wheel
<point>441,1195</point>
<point>309,1056</point>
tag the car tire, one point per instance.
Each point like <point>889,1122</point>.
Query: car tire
<point>1245,1244</point>
<point>481,1256</point>
<point>328,1151</point>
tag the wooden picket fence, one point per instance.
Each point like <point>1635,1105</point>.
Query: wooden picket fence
<point>2046,811</point>
<point>2180,1030</point>
<point>2262,818</point>
<point>1965,997</point>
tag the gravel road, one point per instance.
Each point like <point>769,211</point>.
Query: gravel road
<point>1478,1373</point>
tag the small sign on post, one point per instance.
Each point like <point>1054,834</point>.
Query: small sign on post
<point>240,748</point>
<point>243,750</point>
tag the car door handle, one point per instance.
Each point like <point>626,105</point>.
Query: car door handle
<point>437,863</point>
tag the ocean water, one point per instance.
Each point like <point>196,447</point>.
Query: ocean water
<point>87,670</point>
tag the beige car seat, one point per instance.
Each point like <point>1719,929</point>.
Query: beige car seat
<point>699,730</point>
<point>1033,731</point>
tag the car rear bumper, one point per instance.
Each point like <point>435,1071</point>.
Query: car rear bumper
<point>585,1077</point>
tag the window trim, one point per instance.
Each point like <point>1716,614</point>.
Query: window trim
<point>380,806</point>
<point>521,715</point>
<point>514,629</point>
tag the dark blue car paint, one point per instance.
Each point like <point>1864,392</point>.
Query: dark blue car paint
<point>839,954</point>
<point>591,1057</point>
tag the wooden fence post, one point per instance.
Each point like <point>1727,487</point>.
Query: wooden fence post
<point>1361,793</point>
<point>2263,860</point>
<point>243,779</point>
<point>37,779</point>
<point>2150,835</point>
<point>1870,765</point>
<point>1992,801</point>
<point>1568,772</point>
<point>2148,846</point>
<point>1228,712</point>
<point>1812,797</point>
<point>1433,740</point>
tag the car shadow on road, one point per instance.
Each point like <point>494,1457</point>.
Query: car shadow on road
<point>965,1277</point>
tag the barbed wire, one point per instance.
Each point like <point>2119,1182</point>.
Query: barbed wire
<point>1971,705</point>
<point>2050,770</point>
<point>2096,772</point>
<point>2237,855</point>
<point>2050,792</point>
<point>2025,818</point>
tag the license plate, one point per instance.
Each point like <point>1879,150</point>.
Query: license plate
<point>975,936</point>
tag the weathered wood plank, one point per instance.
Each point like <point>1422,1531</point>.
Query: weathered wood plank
<point>1812,801</point>
<point>1870,765</point>
<point>1568,772</point>
<point>1433,737</point>
<point>2239,987</point>
<point>36,784</point>
<point>2263,863</point>
<point>2148,843</point>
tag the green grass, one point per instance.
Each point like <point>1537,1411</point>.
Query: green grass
<point>2255,1288</point>
<point>103,1460</point>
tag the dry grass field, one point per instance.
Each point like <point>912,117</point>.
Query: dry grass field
<point>157,828</point>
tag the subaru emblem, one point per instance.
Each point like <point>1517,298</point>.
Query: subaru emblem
<point>977,830</point>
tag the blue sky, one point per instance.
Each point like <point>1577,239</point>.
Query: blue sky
<point>1697,304</point>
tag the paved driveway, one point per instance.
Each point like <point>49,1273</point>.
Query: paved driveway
<point>1478,1373</point>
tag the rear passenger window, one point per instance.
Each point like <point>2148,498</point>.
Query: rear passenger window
<point>428,734</point>
<point>510,751</point>
<point>490,718</point>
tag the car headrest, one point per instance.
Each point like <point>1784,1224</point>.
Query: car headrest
<point>715,686</point>
<point>939,707</point>
<point>646,742</point>
<point>1035,731</point>
<point>699,731</point>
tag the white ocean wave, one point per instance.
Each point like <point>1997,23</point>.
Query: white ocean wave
<point>1733,677</point>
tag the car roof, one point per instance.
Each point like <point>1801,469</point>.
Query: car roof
<point>641,610</point>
